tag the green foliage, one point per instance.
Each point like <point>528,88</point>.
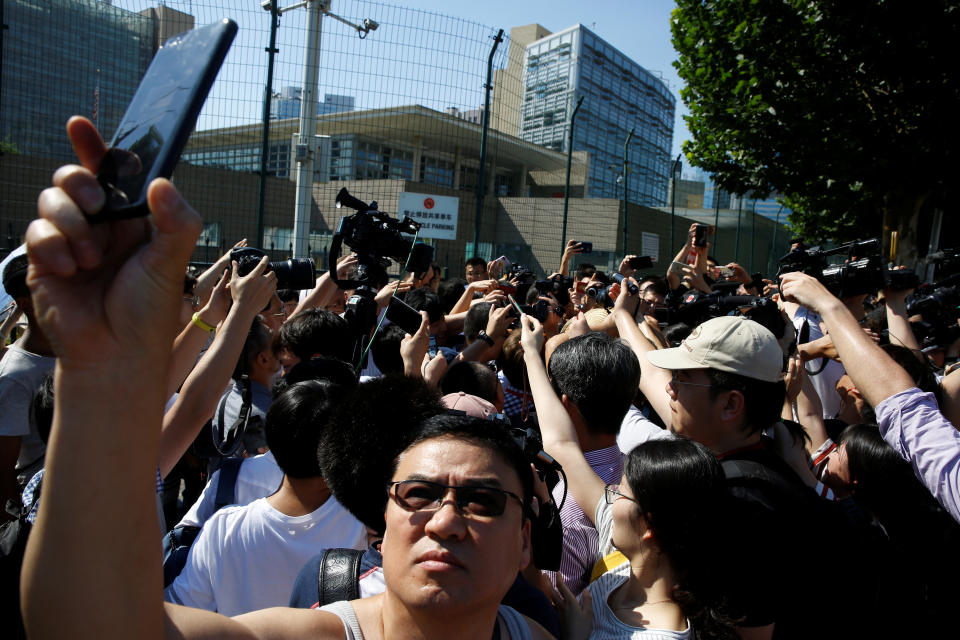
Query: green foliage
<point>849,109</point>
<point>9,147</point>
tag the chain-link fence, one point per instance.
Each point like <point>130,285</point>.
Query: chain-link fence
<point>399,121</point>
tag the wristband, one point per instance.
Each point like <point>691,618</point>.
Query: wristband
<point>197,320</point>
<point>482,335</point>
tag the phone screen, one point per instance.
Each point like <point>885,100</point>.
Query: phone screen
<point>162,114</point>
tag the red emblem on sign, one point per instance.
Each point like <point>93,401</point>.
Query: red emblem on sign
<point>428,203</point>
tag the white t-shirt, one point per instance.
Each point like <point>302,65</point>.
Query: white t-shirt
<point>826,381</point>
<point>20,376</point>
<point>637,429</point>
<point>247,558</point>
<point>258,477</point>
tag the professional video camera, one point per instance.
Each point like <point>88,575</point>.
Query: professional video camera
<point>938,303</point>
<point>295,273</point>
<point>558,286</point>
<point>694,307</point>
<point>947,262</point>
<point>517,281</point>
<point>862,273</point>
<point>376,239</point>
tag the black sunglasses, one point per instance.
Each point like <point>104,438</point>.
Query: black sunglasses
<point>472,501</point>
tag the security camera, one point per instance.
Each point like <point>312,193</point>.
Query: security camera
<point>370,25</point>
<point>267,5</point>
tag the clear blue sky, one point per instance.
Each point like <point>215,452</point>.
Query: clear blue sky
<point>638,28</point>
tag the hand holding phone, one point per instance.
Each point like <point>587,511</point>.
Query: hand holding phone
<point>155,128</point>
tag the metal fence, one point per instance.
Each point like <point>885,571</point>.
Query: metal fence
<point>398,121</point>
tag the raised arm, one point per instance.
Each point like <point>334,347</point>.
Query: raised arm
<point>556,427</point>
<point>188,344</point>
<point>653,380</point>
<point>205,384</point>
<point>207,280</point>
<point>898,325</point>
<point>325,287</point>
<point>107,297</point>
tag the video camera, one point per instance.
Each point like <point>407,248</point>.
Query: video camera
<point>947,262</point>
<point>295,273</point>
<point>863,272</point>
<point>603,295</point>
<point>694,307</point>
<point>558,286</point>
<point>376,239</point>
<point>938,303</point>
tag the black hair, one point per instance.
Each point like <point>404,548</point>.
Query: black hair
<point>584,270</point>
<point>321,368</point>
<point>42,406</point>
<point>474,378</point>
<point>316,332</point>
<point>15,277</point>
<point>763,401</point>
<point>510,360</point>
<point>423,299</point>
<point>676,333</point>
<point>189,283</point>
<point>476,320</point>
<point>259,339</point>
<point>294,424</point>
<point>450,292</point>
<point>476,261</point>
<point>386,349</point>
<point>659,286</point>
<point>488,434</point>
<point>288,295</point>
<point>679,487</point>
<point>370,426</point>
<point>920,371</point>
<point>599,375</point>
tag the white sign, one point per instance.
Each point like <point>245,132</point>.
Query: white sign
<point>437,214</point>
<point>650,245</point>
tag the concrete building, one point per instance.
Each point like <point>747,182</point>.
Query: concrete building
<point>286,104</point>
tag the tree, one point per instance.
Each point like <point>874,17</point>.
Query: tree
<point>849,109</point>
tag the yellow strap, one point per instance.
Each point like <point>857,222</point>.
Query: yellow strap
<point>200,323</point>
<point>607,563</point>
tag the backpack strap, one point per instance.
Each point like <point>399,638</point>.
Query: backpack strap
<point>226,486</point>
<point>339,577</point>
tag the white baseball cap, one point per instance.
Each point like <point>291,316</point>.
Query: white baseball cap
<point>734,344</point>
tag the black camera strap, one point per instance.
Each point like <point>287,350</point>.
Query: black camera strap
<point>225,442</point>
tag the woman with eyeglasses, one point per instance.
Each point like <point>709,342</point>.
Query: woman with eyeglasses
<point>661,518</point>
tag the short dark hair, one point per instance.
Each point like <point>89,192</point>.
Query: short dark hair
<point>474,378</point>
<point>486,433</point>
<point>476,320</point>
<point>677,333</point>
<point>423,299</point>
<point>294,423</point>
<point>371,426</point>
<point>584,270</point>
<point>189,283</point>
<point>386,349</point>
<point>450,292</point>
<point>15,277</point>
<point>316,332</point>
<point>510,360</point>
<point>320,368</point>
<point>476,261</point>
<point>259,338</point>
<point>763,400</point>
<point>599,375</point>
<point>659,286</point>
<point>288,295</point>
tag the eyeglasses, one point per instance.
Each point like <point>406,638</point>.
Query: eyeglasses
<point>675,380</point>
<point>611,494</point>
<point>470,501</point>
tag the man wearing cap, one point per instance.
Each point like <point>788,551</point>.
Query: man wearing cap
<point>723,387</point>
<point>21,370</point>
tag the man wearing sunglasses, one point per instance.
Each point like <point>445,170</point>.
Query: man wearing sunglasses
<point>448,560</point>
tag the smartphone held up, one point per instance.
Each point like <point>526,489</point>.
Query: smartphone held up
<point>157,123</point>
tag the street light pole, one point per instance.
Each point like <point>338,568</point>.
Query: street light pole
<point>626,146</point>
<point>673,197</point>
<point>566,188</point>
<point>481,178</point>
<point>265,140</point>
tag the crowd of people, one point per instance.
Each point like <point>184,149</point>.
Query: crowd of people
<point>571,456</point>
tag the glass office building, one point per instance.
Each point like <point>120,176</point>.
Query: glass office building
<point>92,67</point>
<point>618,95</point>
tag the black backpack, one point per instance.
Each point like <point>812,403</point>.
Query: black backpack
<point>13,542</point>
<point>177,541</point>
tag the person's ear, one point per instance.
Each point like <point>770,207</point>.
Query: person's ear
<point>526,545</point>
<point>733,405</point>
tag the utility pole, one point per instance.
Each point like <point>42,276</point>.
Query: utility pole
<point>566,188</point>
<point>673,198</point>
<point>274,10</point>
<point>481,180</point>
<point>626,146</point>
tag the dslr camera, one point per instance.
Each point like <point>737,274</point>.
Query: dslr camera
<point>863,271</point>
<point>295,273</point>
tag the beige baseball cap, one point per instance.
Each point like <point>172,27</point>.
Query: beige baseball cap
<point>734,344</point>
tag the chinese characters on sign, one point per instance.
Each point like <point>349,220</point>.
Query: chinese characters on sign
<point>437,214</point>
